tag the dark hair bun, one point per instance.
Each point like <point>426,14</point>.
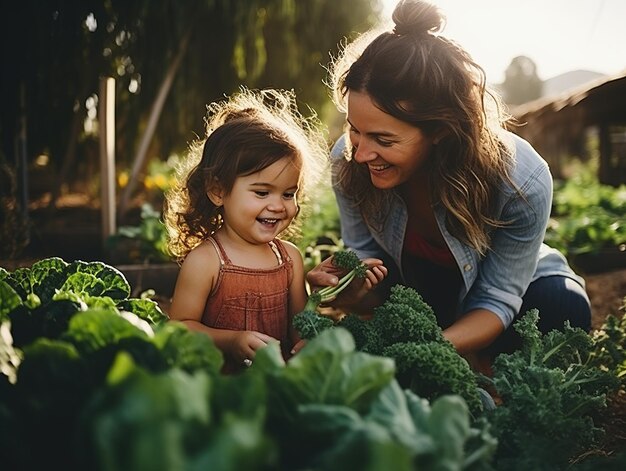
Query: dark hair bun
<point>417,18</point>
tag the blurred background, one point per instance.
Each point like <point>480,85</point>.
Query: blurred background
<point>558,66</point>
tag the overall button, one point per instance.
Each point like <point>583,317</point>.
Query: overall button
<point>467,267</point>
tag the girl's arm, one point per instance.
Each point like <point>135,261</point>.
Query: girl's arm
<point>195,283</point>
<point>297,291</point>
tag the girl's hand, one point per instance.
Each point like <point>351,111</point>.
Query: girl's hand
<point>245,343</point>
<point>298,346</point>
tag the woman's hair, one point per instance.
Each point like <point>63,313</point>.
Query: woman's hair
<point>422,78</point>
<point>244,134</point>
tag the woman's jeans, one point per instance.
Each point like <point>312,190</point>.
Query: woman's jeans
<point>557,298</point>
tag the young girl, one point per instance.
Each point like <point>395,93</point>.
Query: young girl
<point>239,283</point>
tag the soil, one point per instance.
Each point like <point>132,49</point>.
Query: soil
<point>606,292</point>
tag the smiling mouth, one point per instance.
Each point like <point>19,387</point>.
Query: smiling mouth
<point>379,168</point>
<point>269,222</point>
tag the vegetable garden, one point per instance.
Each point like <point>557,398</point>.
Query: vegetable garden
<point>95,379</point>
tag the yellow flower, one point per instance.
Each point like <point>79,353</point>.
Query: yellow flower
<point>148,182</point>
<point>160,181</point>
<point>122,179</point>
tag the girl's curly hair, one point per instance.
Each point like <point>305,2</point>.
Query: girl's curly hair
<point>245,133</point>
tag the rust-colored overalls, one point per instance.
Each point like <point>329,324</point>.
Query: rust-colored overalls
<point>252,299</point>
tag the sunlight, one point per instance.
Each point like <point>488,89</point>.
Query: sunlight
<point>559,36</point>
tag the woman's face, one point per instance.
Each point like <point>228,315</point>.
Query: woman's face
<point>393,150</point>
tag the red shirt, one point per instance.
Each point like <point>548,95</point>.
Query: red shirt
<point>417,246</point>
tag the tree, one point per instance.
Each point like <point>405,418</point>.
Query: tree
<point>57,51</point>
<point>521,83</point>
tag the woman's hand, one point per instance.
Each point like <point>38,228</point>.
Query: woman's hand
<point>327,274</point>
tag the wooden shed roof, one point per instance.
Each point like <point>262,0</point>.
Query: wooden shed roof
<point>607,93</point>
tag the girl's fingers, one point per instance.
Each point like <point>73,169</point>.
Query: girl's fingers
<point>263,337</point>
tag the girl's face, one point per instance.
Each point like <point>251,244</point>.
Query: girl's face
<point>393,150</point>
<point>262,205</point>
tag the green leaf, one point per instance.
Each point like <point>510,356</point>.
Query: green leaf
<point>84,284</point>
<point>94,329</point>
<point>114,282</point>
<point>188,350</point>
<point>9,300</point>
<point>145,421</point>
<point>450,428</point>
<point>145,308</point>
<point>328,371</point>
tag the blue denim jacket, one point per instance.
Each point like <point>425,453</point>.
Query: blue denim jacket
<point>517,256</point>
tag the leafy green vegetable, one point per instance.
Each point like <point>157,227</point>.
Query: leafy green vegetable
<point>145,308</point>
<point>114,282</point>
<point>337,406</point>
<point>550,391</point>
<point>310,322</point>
<point>610,347</point>
<point>347,260</point>
<point>9,299</point>
<point>405,329</point>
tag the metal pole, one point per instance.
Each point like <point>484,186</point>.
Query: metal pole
<point>106,118</point>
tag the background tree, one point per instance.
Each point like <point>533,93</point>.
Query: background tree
<point>521,83</point>
<point>56,51</point>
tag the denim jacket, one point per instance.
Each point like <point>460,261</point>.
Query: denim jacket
<point>517,255</point>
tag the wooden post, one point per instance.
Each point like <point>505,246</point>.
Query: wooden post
<point>22,165</point>
<point>106,118</point>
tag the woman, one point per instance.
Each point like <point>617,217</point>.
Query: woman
<point>429,181</point>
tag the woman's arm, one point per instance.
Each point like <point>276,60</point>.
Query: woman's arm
<point>474,331</point>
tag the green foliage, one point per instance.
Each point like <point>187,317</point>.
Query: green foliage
<point>146,242</point>
<point>256,43</point>
<point>346,260</point>
<point>98,398</point>
<point>434,369</point>
<point>326,419</point>
<point>610,347</point>
<point>111,390</point>
<point>320,227</point>
<point>41,300</point>
<point>405,328</point>
<point>310,324</point>
<point>587,216</point>
<point>550,389</point>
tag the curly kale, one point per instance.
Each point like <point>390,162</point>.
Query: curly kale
<point>433,369</point>
<point>309,323</point>
<point>346,260</point>
<point>397,322</point>
<point>610,347</point>
<point>550,390</point>
<point>405,328</point>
